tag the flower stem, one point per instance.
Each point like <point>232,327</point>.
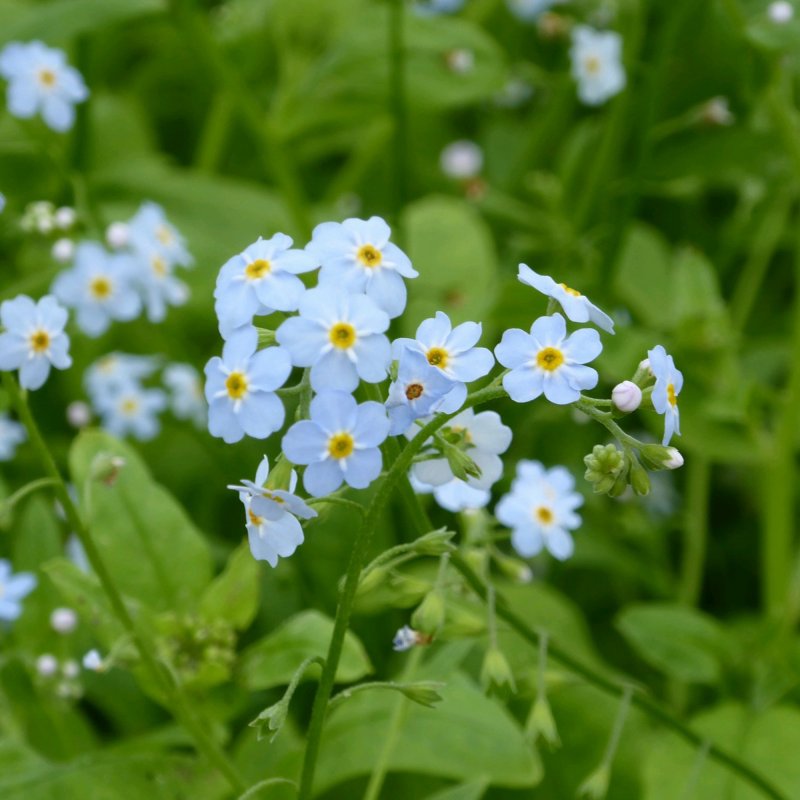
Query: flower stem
<point>175,699</point>
<point>695,529</point>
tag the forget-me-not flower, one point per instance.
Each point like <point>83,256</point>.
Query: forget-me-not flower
<point>13,590</point>
<point>541,510</point>
<point>262,278</point>
<point>577,306</point>
<point>340,336</point>
<point>12,434</point>
<point>340,443</point>
<point>357,255</point>
<point>455,495</point>
<point>529,10</point>
<point>157,283</point>
<point>669,382</point>
<point>240,388</point>
<point>40,80</point>
<point>185,392</point>
<point>418,390</point>
<point>34,338</point>
<point>133,411</point>
<point>272,525</point>
<point>547,361</point>
<point>99,287</point>
<point>149,230</point>
<point>597,64</point>
<point>451,350</point>
<point>112,373</point>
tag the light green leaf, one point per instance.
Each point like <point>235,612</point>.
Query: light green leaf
<point>233,595</point>
<point>273,660</point>
<point>473,790</point>
<point>151,547</point>
<point>681,642</point>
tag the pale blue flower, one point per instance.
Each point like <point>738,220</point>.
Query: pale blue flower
<point>576,306</point>
<point>261,279</point>
<point>340,443</point>
<point>185,392</point>
<point>451,350</point>
<point>669,382</point>
<point>541,510</point>
<point>272,525</point>
<point>150,230</point>
<point>99,288</point>
<point>13,590</point>
<point>240,388</point>
<point>405,638</point>
<point>34,339</point>
<point>12,434</point>
<point>157,283</point>
<point>433,8</point>
<point>529,10</point>
<point>109,375</point>
<point>358,256</point>
<point>455,495</point>
<point>133,411</point>
<point>340,336</point>
<point>597,64</point>
<point>483,436</point>
<point>2,202</point>
<point>547,361</point>
<point>418,390</point>
<point>40,80</point>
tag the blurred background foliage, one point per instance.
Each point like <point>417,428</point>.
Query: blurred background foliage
<point>248,117</point>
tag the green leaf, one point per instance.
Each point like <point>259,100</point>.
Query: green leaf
<point>473,790</point>
<point>273,660</point>
<point>769,742</point>
<point>681,642</point>
<point>233,595</point>
<point>467,737</point>
<point>452,248</point>
<point>61,20</point>
<point>150,546</point>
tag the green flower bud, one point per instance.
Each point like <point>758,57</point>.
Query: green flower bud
<point>541,723</point>
<point>656,457</point>
<point>639,479</point>
<point>496,671</point>
<point>270,721</point>
<point>280,475</point>
<point>620,484</point>
<point>603,466</point>
<point>435,543</point>
<point>595,786</point>
<point>371,580</point>
<point>461,465</point>
<point>515,569</point>
<point>429,615</point>
<point>426,693</point>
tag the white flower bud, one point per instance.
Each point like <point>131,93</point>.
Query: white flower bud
<point>63,620</point>
<point>461,160</point>
<point>47,665</point>
<point>405,639</point>
<point>93,661</point>
<point>644,365</point>
<point>717,112</point>
<point>63,250</point>
<point>675,459</point>
<point>65,218</point>
<point>79,415</point>
<point>780,12</point>
<point>71,669</point>
<point>117,235</point>
<point>460,61</point>
<point>627,396</point>
<point>44,225</point>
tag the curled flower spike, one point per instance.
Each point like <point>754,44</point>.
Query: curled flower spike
<point>547,361</point>
<point>669,382</point>
<point>577,306</point>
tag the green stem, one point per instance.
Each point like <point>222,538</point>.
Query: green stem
<point>174,698</point>
<point>8,504</point>
<point>695,529</point>
<point>254,790</point>
<point>393,477</point>
<point>337,501</point>
<point>604,418</point>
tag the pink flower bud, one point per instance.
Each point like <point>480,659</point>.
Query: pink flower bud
<point>627,396</point>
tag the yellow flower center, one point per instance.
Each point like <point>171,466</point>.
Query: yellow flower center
<point>569,290</point>
<point>414,390</point>
<point>164,235</point>
<point>438,357</point>
<point>257,269</point>
<point>592,64</point>
<point>544,515</point>
<point>40,341</point>
<point>671,396</point>
<point>255,519</point>
<point>236,385</point>
<point>129,406</point>
<point>340,445</point>
<point>369,256</point>
<point>159,266</point>
<point>343,335</point>
<point>47,78</point>
<point>100,287</point>
<point>549,358</point>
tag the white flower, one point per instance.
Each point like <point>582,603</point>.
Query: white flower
<point>65,217</point>
<point>597,64</point>
<point>117,235</point>
<point>79,415</point>
<point>63,620</point>
<point>63,250</point>
<point>185,393</point>
<point>461,160</point>
<point>93,661</point>
<point>780,12</point>
<point>47,665</point>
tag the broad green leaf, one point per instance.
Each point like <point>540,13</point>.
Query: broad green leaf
<point>468,737</point>
<point>233,595</point>
<point>151,547</point>
<point>57,21</point>
<point>768,742</point>
<point>473,790</point>
<point>681,642</point>
<point>273,660</point>
<point>452,249</point>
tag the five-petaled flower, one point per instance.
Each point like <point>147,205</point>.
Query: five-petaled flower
<point>669,382</point>
<point>597,64</point>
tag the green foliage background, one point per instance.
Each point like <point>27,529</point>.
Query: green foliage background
<point>248,117</point>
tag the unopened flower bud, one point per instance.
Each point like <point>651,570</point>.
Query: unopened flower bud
<point>117,235</point>
<point>620,484</point>
<point>372,580</point>
<point>63,620</point>
<point>656,456</point>
<point>435,543</point>
<point>65,217</point>
<point>106,467</point>
<point>280,476</point>
<point>460,60</point>
<point>79,415</point>
<point>717,112</point>
<point>675,460</point>
<point>541,723</point>
<point>461,465</point>
<point>426,693</point>
<point>70,669</point>
<point>639,479</point>
<point>93,661</point>
<point>405,639</point>
<point>461,160</point>
<point>515,569</point>
<point>496,671</point>
<point>47,665</point>
<point>63,250</point>
<point>626,396</point>
<point>595,787</point>
<point>603,466</point>
<point>780,12</point>
<point>429,615</point>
